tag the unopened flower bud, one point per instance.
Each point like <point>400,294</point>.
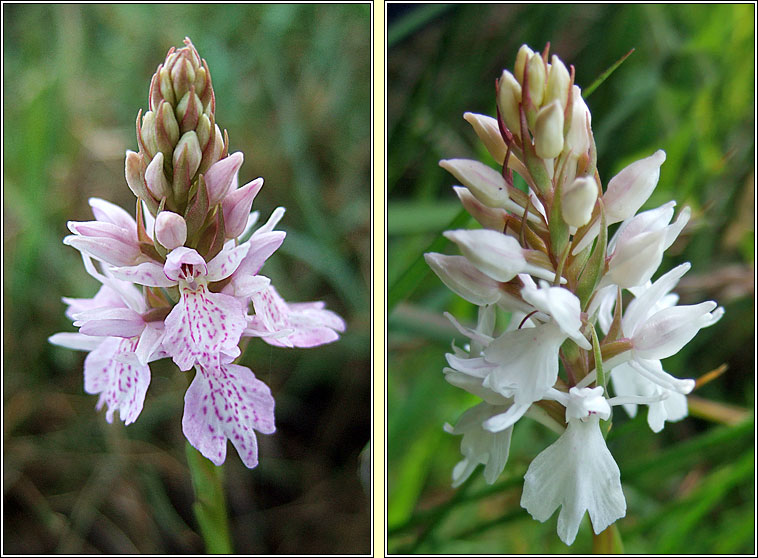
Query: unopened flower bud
<point>536,69</point>
<point>187,156</point>
<point>558,82</point>
<point>578,201</point>
<point>147,130</point>
<point>182,76</point>
<point>166,121</point>
<point>170,230</point>
<point>578,137</point>
<point>508,99</point>
<point>201,80</point>
<point>219,177</point>
<point>523,56</point>
<point>156,179</point>
<point>548,131</point>
<point>188,110</point>
<point>212,153</point>
<point>203,131</point>
<point>166,89</point>
<point>237,205</point>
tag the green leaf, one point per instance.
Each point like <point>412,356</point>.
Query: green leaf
<point>595,84</point>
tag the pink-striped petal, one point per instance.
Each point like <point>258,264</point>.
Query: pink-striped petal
<point>108,212</point>
<point>203,325</point>
<point>121,385</point>
<point>227,262</point>
<point>150,274</point>
<point>310,325</point>
<point>108,250</point>
<point>261,247</point>
<point>227,402</point>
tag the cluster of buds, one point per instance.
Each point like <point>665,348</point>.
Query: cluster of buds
<point>573,331</point>
<point>181,280</point>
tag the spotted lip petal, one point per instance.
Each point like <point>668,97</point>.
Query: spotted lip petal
<point>227,402</point>
<point>202,326</point>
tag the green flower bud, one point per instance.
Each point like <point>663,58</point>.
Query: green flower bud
<point>188,110</point>
<point>167,90</point>
<point>182,75</point>
<point>166,123</point>
<point>187,157</point>
<point>201,80</point>
<point>147,131</point>
<point>203,130</point>
<point>213,151</point>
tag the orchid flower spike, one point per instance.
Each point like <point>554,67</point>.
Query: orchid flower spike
<point>544,257</point>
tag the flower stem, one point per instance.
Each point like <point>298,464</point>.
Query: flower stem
<point>608,542</point>
<point>210,503</point>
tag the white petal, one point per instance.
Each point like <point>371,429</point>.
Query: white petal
<point>670,329</point>
<point>465,280</point>
<point>527,362</point>
<point>487,184</point>
<point>631,187</point>
<point>640,308</point>
<point>497,255</point>
<point>578,474</point>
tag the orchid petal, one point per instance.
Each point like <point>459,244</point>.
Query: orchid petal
<point>227,402</point>
<point>106,211</point>
<point>227,262</point>
<point>122,386</point>
<point>150,274</point>
<point>576,473</point>
<point>76,341</point>
<point>202,325</point>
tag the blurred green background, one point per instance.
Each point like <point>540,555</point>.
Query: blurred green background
<point>688,89</point>
<point>292,88</point>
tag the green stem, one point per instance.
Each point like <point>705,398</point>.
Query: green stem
<point>608,541</point>
<point>210,503</point>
